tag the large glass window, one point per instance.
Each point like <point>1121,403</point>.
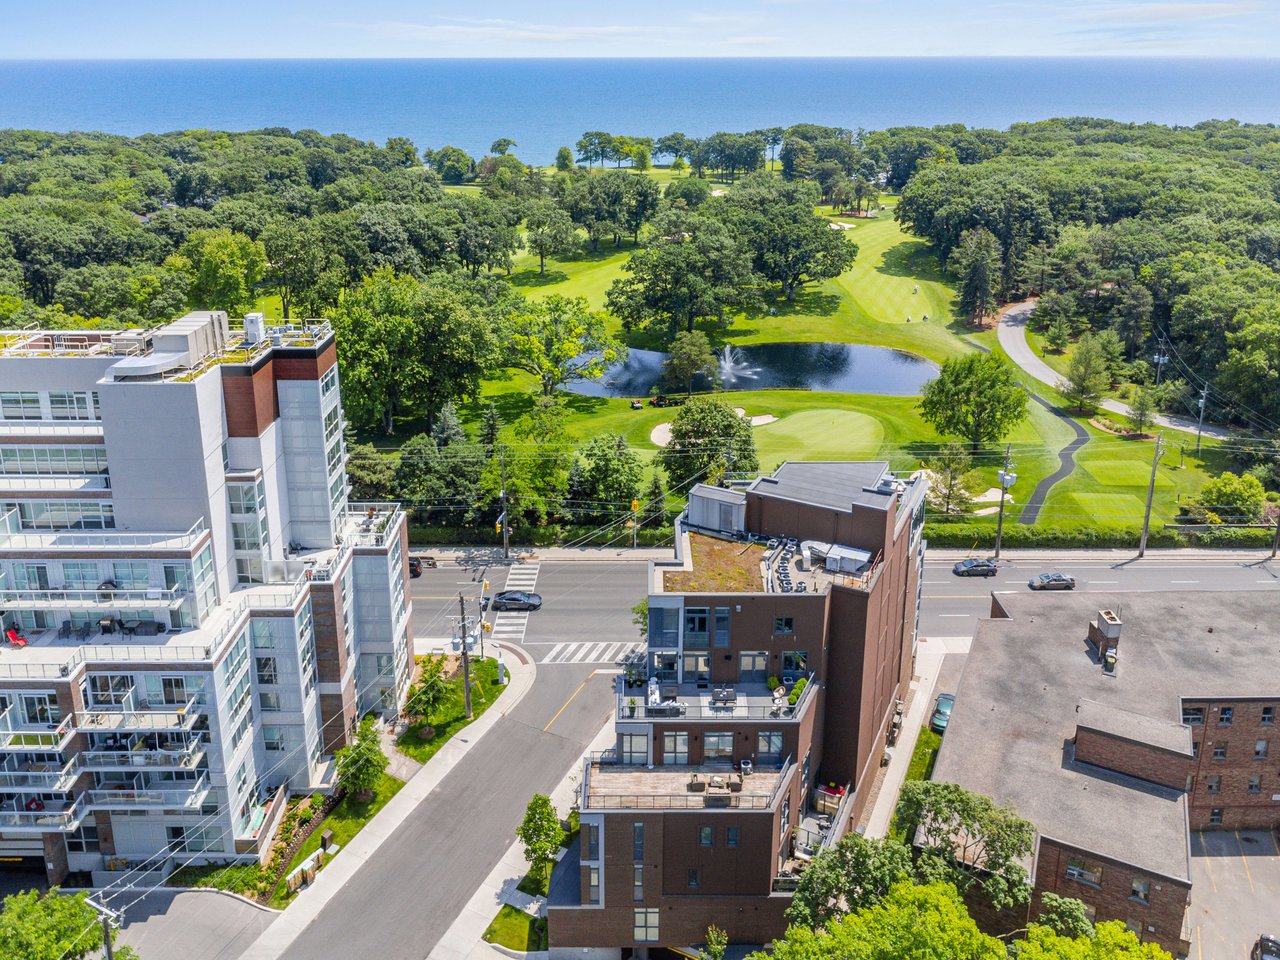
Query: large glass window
<point>246,534</point>
<point>664,626</point>
<point>593,885</point>
<point>131,574</point>
<point>637,882</point>
<point>1085,871</point>
<point>267,672</point>
<point>717,747</point>
<point>53,461</point>
<point>753,666</point>
<point>722,627</point>
<point>107,688</point>
<point>85,839</point>
<point>675,748</point>
<point>697,667</point>
<point>19,405</point>
<point>635,748</point>
<point>769,747</point>
<point>31,576</point>
<point>697,627</point>
<point>63,514</point>
<point>646,925</point>
<point>795,664</point>
<point>80,575</point>
<point>593,841</point>
<point>41,708</point>
<point>637,841</point>
<point>77,405</point>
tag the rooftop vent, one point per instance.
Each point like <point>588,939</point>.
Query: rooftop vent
<point>254,327</point>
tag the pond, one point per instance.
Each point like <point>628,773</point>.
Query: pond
<point>835,367</point>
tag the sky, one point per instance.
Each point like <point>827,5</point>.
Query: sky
<point>76,29</point>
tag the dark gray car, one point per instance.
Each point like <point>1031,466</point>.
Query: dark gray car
<point>517,600</point>
<point>1052,581</point>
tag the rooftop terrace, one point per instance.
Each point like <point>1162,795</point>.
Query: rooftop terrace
<point>609,785</point>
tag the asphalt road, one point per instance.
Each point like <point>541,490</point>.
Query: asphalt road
<point>403,900</point>
<point>952,605</point>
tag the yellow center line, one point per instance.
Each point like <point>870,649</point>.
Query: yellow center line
<point>1245,860</point>
<point>1199,940</point>
<point>564,705</point>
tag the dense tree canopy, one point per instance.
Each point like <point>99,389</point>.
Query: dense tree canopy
<point>976,397</point>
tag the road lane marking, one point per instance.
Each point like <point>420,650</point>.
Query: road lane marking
<point>965,615</point>
<point>1245,861</point>
<point>1184,581</point>
<point>565,705</point>
<point>554,650</point>
<point>958,596</point>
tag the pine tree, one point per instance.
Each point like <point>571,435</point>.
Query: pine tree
<point>490,427</point>
<point>448,428</point>
<point>654,513</point>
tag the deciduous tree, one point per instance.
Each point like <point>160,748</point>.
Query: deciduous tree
<point>689,356</point>
<point>548,231</point>
<point>361,763</point>
<point>854,874</point>
<point>708,439</point>
<point>976,397</point>
<point>224,267</point>
<point>561,341</point>
<point>50,926</point>
<point>952,469</point>
<point>540,833</point>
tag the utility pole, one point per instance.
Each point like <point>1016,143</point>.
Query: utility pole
<point>1161,358</point>
<point>109,919</point>
<point>506,527</point>
<point>1200,426</point>
<point>466,660</point>
<point>1275,541</point>
<point>1151,492</point>
<point>1006,481</point>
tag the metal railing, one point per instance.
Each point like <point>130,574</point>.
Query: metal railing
<point>40,781</point>
<point>128,797</point>
<point>82,599</point>
<point>98,539</point>
<point>52,816</point>
<point>185,757</point>
<point>782,709</point>
<point>16,733</point>
<point>368,523</point>
<point>708,799</point>
<point>140,715</point>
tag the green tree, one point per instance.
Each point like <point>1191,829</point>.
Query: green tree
<point>689,356</point>
<point>500,146</point>
<point>976,261</point>
<point>560,341</point>
<point>689,192</point>
<point>448,428</point>
<point>429,690</point>
<point>856,873</point>
<point>52,926</point>
<point>564,160</point>
<point>654,509</point>
<point>541,834</point>
<point>1058,335</point>
<point>224,267</point>
<point>921,922</point>
<point>453,164</point>
<point>361,763</point>
<point>548,231</point>
<point>966,839</point>
<point>1232,498</point>
<point>717,943</point>
<point>1065,916</point>
<point>538,478</point>
<point>693,270</point>
<point>1110,941</point>
<point>708,439</point>
<point>438,480</point>
<point>952,470</point>
<point>1142,408</point>
<point>1087,378</point>
<point>976,397</point>
<point>1132,319</point>
<point>370,471</point>
<point>490,428</point>
<point>610,474</point>
<point>295,259</point>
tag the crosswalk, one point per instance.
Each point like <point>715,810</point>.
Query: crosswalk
<point>587,652</point>
<point>510,625</point>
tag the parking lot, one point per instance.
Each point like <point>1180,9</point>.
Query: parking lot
<point>1235,894</point>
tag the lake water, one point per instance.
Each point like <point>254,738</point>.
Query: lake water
<point>833,367</point>
<point>542,104</point>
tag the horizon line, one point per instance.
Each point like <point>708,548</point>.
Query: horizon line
<point>1119,55</point>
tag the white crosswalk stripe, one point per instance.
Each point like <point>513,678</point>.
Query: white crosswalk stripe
<point>605,652</point>
<point>510,625</point>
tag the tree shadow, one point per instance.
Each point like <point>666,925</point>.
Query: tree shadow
<point>914,259</point>
<point>532,278</point>
<point>809,301</point>
<point>580,403</point>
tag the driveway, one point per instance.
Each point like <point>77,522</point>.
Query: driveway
<point>1235,892</point>
<point>1012,333</point>
<point>192,925</point>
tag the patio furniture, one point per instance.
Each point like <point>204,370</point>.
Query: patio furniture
<point>107,624</point>
<point>82,633</point>
<point>696,785</point>
<point>724,695</point>
<point>64,631</point>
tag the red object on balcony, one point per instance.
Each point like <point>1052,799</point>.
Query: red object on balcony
<point>15,640</point>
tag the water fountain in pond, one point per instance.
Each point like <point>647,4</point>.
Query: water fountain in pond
<point>733,366</point>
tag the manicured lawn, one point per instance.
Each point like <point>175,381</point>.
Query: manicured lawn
<point>923,756</point>
<point>345,820</point>
<point>516,930</point>
<point>535,884</point>
<point>449,717</point>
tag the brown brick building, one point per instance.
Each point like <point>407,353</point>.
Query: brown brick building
<point>1116,735</point>
<point>780,642</point>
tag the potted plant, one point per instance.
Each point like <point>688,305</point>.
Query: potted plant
<point>631,706</point>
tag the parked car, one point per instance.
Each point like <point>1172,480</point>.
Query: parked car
<point>416,565</point>
<point>517,600</point>
<point>942,712</point>
<point>1267,948</point>
<point>975,567</point>
<point>1052,581</point>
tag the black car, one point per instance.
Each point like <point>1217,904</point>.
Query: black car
<point>1052,581</point>
<point>1267,948</point>
<point>517,600</point>
<point>974,567</point>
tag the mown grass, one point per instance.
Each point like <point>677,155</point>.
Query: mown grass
<point>516,930</point>
<point>450,715</point>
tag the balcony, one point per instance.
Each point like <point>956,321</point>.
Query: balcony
<point>39,778</point>
<point>170,756</point>
<point>108,599</point>
<point>139,715</point>
<point>713,701</point>
<point>17,734</point>
<point>609,785</point>
<point>107,540</point>
<point>368,523</point>
<point>62,817</point>
<point>134,796</point>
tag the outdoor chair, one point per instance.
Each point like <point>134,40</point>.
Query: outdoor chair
<point>64,631</point>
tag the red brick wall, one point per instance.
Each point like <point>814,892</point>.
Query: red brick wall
<point>1241,809</point>
<point>1140,760</point>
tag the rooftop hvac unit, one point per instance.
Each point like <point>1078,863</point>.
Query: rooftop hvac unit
<point>254,327</point>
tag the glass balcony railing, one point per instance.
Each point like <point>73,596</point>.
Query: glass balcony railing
<point>41,816</point>
<point>39,778</point>
<point>91,599</point>
<point>128,796</point>
<point>17,734</point>
<point>139,715</point>
<point>175,758</point>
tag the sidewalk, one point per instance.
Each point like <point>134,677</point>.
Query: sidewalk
<point>462,941</point>
<point>1114,555</point>
<point>312,901</point>
<point>492,556</point>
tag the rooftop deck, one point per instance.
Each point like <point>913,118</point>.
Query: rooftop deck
<point>615,786</point>
<point>739,701</point>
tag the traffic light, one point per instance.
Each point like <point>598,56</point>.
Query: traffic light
<point>488,627</point>
<point>635,506</point>
<point>497,526</point>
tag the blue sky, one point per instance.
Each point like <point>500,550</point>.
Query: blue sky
<point>590,28</point>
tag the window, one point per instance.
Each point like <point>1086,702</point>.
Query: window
<point>593,841</point>
<point>16,405</point>
<point>637,882</point>
<point>730,836</point>
<point>722,627</point>
<point>246,534</point>
<point>273,738</point>
<point>784,625</point>
<point>72,406</point>
<point>664,626</point>
<point>785,818</point>
<point>329,381</point>
<point>1193,716</point>
<point>1260,749</point>
<point>769,747</point>
<point>268,701</point>
<point>1195,748</point>
<point>795,664</point>
<point>697,629</point>
<point>248,571</point>
<point>194,839</point>
<point>1255,783</point>
<point>1225,716</point>
<point>1268,715</point>
<point>173,690</point>
<point>635,748</point>
<point>84,840</point>
<point>646,925</point>
<point>332,423</point>
<point>675,748</point>
<point>693,878</point>
<point>1219,751</point>
<point>593,885</point>
<point>717,746</point>
<point>1140,890</point>
<point>131,574</point>
<point>706,836</point>
<point>1215,817</point>
<point>267,671</point>
<point>80,575</point>
<point>1084,871</point>
<point>110,688</point>
<point>753,666</point>
<point>637,841</point>
<point>1213,784</point>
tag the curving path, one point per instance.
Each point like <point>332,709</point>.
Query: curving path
<point>1012,332</point>
<point>1066,463</point>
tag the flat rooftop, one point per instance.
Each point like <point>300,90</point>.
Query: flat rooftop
<point>616,786</point>
<point>1015,710</point>
<point>837,484</point>
<point>718,566</point>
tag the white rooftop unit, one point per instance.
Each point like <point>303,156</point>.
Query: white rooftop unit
<point>847,559</point>
<point>717,509</point>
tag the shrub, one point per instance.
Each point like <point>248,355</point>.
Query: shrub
<point>774,683</point>
<point>794,696</point>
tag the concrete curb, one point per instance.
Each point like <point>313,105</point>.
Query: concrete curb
<point>311,902</point>
<point>1116,555</point>
<point>476,556</point>
<point>224,893</point>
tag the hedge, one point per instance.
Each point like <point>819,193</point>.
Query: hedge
<point>983,534</point>
<point>552,535</point>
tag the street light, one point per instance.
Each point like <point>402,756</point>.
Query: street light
<point>1007,479</point>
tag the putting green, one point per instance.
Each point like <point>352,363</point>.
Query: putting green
<point>1103,509</point>
<point>1124,473</point>
<point>822,434</point>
